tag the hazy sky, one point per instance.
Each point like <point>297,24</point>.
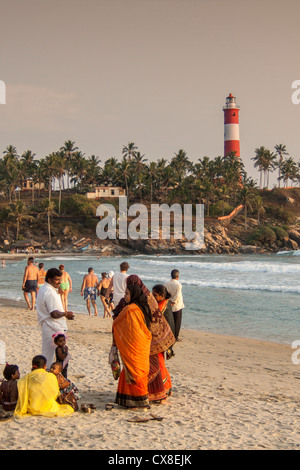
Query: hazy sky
<point>154,72</point>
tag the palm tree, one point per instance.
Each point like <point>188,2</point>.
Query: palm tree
<point>10,160</point>
<point>18,212</point>
<point>259,205</point>
<point>68,149</point>
<point>246,195</point>
<point>94,170</point>
<point>265,160</point>
<point>59,168</point>
<point>259,160</point>
<point>289,171</point>
<point>280,151</point>
<point>48,211</point>
<point>50,171</point>
<point>269,163</point>
<point>152,175</point>
<point>29,168</point>
<point>5,218</point>
<point>110,171</point>
<point>123,173</point>
<point>79,169</point>
<point>139,167</point>
<point>129,151</point>
<point>181,165</point>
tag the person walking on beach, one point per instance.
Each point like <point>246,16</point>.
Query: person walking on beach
<point>118,284</point>
<point>41,275</point>
<point>102,289</point>
<point>89,290</point>
<point>175,289</point>
<point>30,283</point>
<point>65,286</point>
<point>50,312</point>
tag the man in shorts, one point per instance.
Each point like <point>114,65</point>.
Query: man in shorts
<point>30,283</point>
<point>89,290</point>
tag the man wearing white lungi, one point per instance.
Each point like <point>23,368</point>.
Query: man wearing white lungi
<point>50,313</point>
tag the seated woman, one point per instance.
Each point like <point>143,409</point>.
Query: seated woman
<point>133,339</point>
<point>9,387</point>
<point>38,391</point>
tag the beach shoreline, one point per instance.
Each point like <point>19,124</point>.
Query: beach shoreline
<point>228,393</point>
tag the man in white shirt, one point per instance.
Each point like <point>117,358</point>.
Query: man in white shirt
<point>118,284</point>
<point>175,290</point>
<point>50,313</point>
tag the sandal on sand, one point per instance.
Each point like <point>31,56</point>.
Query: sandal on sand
<point>92,406</point>
<point>86,408</point>
<point>5,417</point>
<point>140,419</point>
<point>157,418</point>
<point>109,406</point>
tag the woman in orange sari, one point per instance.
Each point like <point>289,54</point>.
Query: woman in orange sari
<point>133,339</point>
<point>162,340</point>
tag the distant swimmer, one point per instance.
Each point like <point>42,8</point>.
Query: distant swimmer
<point>89,290</point>
<point>65,286</point>
<point>30,282</point>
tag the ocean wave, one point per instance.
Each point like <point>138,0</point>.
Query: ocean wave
<point>289,253</point>
<point>228,285</point>
<point>242,266</point>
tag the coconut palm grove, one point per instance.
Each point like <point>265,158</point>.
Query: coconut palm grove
<point>59,182</point>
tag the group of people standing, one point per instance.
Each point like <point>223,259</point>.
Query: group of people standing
<point>145,328</point>
<point>34,279</point>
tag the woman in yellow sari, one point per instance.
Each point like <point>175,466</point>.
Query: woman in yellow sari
<point>133,339</point>
<point>37,393</point>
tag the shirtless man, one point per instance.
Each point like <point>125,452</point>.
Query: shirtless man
<point>65,286</point>
<point>30,282</point>
<point>89,290</point>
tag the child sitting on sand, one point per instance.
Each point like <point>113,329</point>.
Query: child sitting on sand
<point>61,351</point>
<point>9,387</point>
<point>69,393</point>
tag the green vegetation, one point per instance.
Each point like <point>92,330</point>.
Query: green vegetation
<point>60,180</point>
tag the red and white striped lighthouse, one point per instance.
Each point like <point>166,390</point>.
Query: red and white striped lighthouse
<point>231,127</point>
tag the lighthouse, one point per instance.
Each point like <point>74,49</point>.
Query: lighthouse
<point>231,127</point>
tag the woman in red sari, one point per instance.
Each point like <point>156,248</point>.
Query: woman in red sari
<point>162,296</point>
<point>133,339</point>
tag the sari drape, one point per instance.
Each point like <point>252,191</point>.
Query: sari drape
<point>160,385</point>
<point>37,394</point>
<point>162,336</point>
<point>133,340</point>
<point>162,339</point>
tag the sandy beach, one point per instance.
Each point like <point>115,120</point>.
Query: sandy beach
<point>228,393</point>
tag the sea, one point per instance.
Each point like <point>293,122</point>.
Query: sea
<point>249,296</point>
